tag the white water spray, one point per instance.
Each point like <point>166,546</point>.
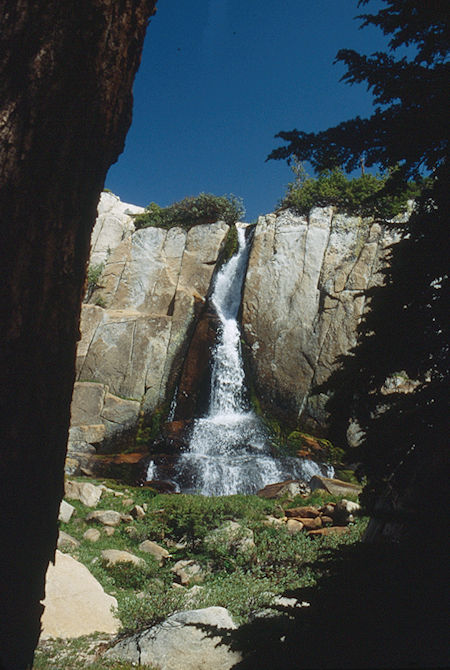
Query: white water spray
<point>228,451</point>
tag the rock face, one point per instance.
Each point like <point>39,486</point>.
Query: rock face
<point>178,644</point>
<point>75,603</point>
<point>145,324</point>
<point>137,323</point>
<point>303,301</point>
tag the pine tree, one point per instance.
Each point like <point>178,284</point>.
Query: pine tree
<point>405,334</point>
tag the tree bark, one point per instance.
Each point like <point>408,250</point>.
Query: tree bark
<point>66,74</point>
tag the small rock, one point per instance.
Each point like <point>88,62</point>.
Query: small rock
<point>86,492</point>
<point>294,526</point>
<point>126,518</point>
<point>66,541</point>
<point>127,502</point>
<point>65,511</point>
<point>273,521</point>
<point>159,553</point>
<point>132,532</point>
<point>137,512</point>
<point>234,537</point>
<point>311,524</point>
<point>109,530</point>
<point>92,535</point>
<point>330,530</point>
<point>107,517</point>
<point>188,572</point>
<point>326,520</point>
<point>113,556</point>
<point>306,512</point>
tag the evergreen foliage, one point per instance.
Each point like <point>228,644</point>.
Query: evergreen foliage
<point>364,195</point>
<point>403,448</point>
<point>192,211</point>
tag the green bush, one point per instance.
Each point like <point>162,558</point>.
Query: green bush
<point>192,211</point>
<point>130,576</point>
<point>364,195</point>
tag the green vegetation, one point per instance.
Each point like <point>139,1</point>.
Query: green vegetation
<point>365,195</point>
<point>192,211</point>
<point>242,580</point>
<point>93,275</point>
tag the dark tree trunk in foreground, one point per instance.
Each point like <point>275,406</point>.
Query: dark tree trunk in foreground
<point>66,73</point>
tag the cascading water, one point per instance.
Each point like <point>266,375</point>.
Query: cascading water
<point>229,450</point>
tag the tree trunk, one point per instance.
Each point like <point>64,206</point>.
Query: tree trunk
<point>66,73</point>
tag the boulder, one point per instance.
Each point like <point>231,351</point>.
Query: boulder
<point>289,488</point>
<point>65,511</point>
<point>294,526</point>
<point>188,572</point>
<point>179,644</point>
<point>343,512</point>
<point>329,530</point>
<point>114,556</point>
<point>232,537</point>
<point>66,541</point>
<point>75,603</point>
<point>137,512</point>
<point>107,517</point>
<point>334,486</point>
<point>308,512</point>
<point>86,492</point>
<point>159,553</point>
<point>311,524</point>
<point>91,535</point>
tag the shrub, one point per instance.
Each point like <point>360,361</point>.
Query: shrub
<point>365,195</point>
<point>93,275</point>
<point>130,576</point>
<point>192,211</point>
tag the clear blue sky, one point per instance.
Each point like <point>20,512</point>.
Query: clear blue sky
<point>219,78</point>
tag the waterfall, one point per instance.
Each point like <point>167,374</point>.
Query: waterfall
<point>229,449</point>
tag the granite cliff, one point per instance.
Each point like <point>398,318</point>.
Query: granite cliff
<point>147,321</point>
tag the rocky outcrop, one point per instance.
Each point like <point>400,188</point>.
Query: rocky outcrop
<point>75,603</point>
<point>303,300</point>
<point>184,640</point>
<point>137,323</point>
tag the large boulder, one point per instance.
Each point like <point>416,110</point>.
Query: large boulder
<point>303,300</point>
<point>179,644</point>
<point>75,603</point>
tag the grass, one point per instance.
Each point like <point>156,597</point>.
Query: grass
<point>243,582</point>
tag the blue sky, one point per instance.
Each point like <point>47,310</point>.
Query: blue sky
<point>219,78</point>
